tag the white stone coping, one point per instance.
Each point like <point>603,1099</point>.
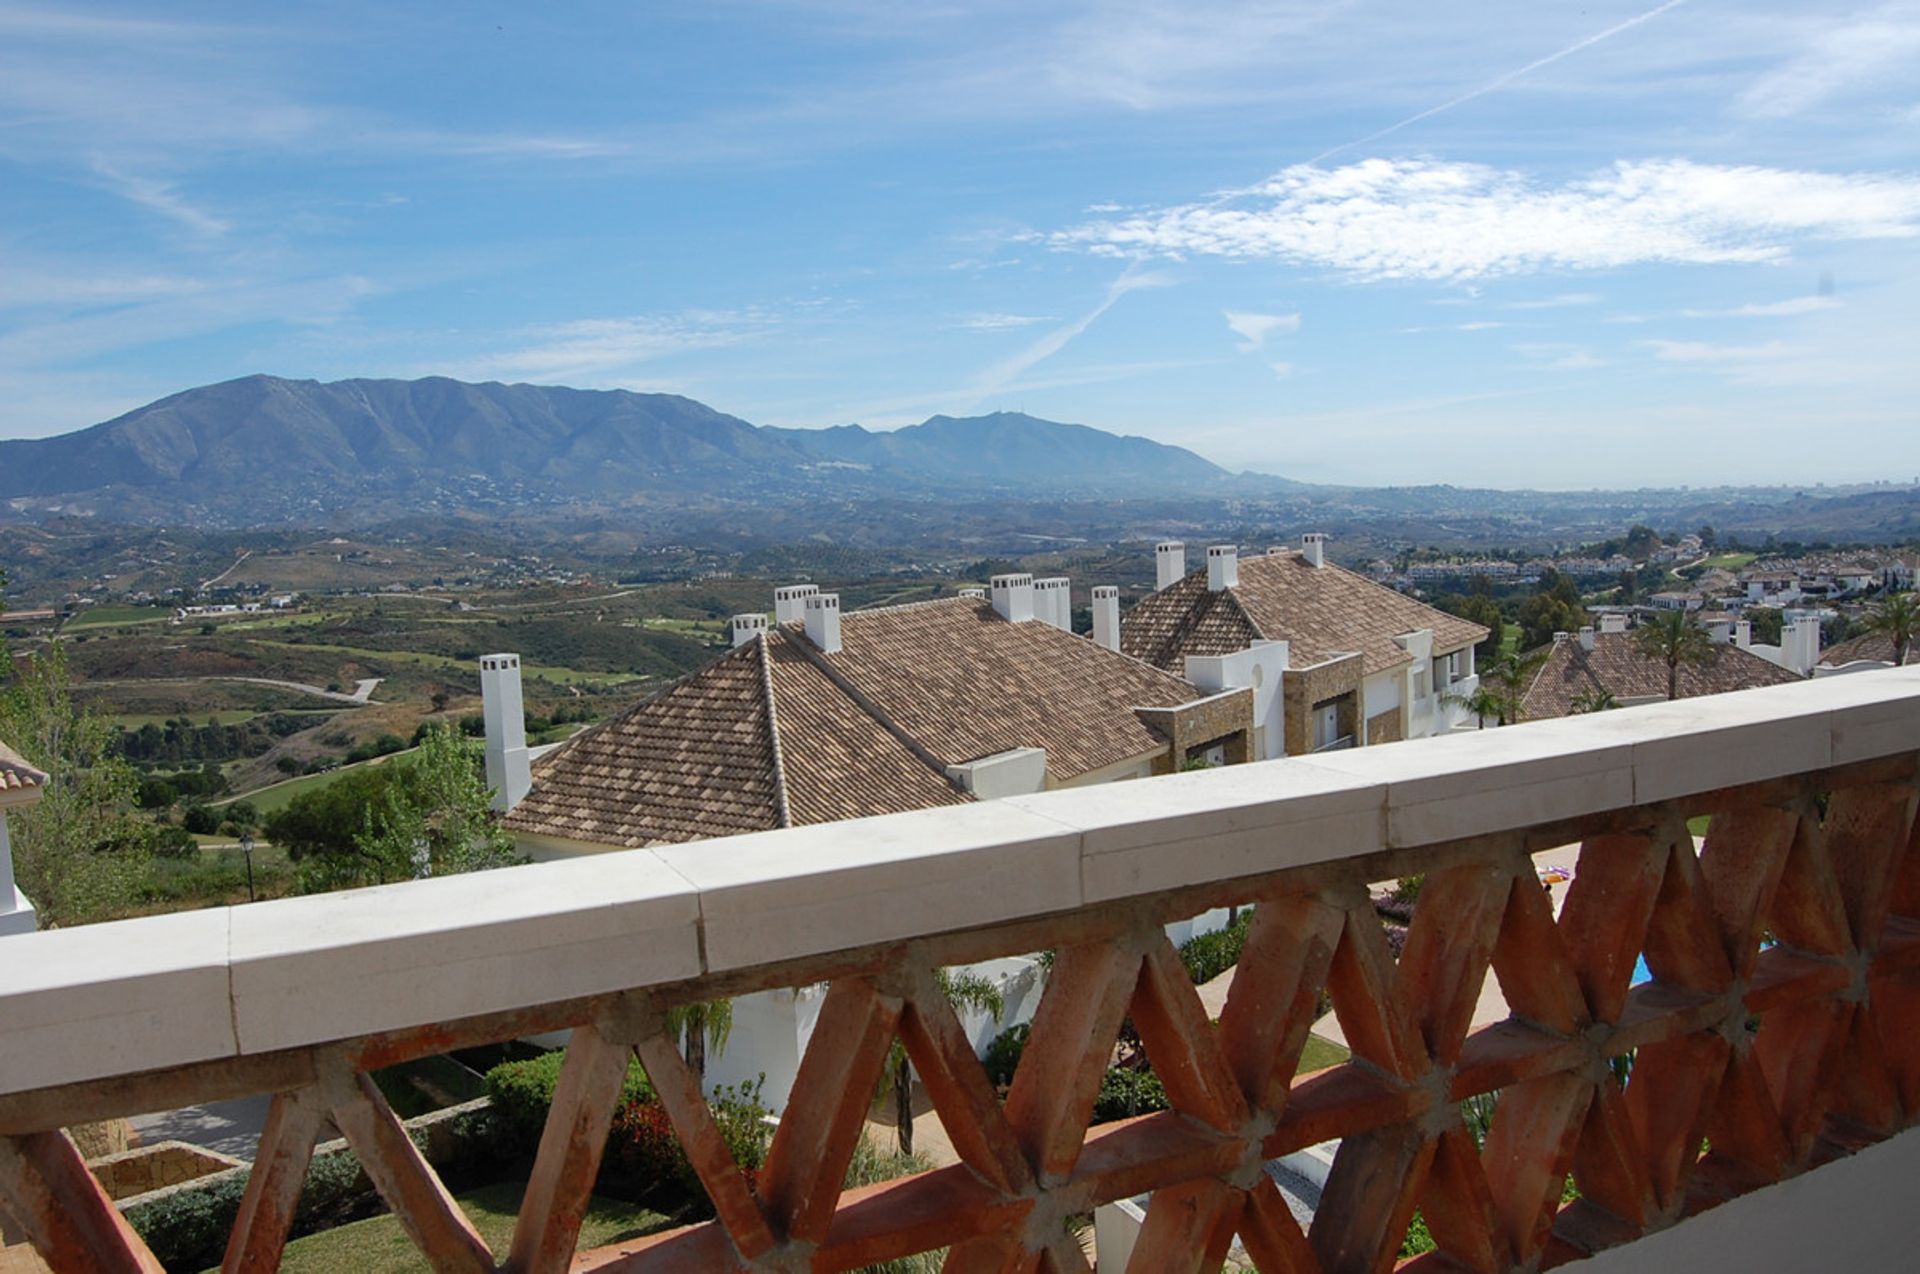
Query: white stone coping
<point>139,995</point>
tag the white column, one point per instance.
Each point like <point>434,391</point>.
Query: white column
<point>504,713</point>
<point>16,913</point>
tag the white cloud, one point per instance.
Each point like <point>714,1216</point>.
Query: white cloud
<point>1560,302</point>
<point>159,196</point>
<point>1428,219</point>
<point>597,349</point>
<point>1771,309</point>
<point>1254,329</point>
<point>1560,357</point>
<point>1008,370</point>
<point>1281,370</point>
<point>1001,322</point>
<point>1707,352</point>
<point>1859,55</point>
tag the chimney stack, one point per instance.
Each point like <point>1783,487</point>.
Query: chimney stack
<point>823,622</point>
<point>1170,564</point>
<point>1313,545</point>
<point>1013,597</point>
<point>1106,616</point>
<point>505,719</point>
<point>1223,567</point>
<point>1053,602</point>
<point>1613,623</point>
<point>790,603</point>
<point>977,594</point>
<point>1586,637</point>
<point>747,627</point>
<point>1743,633</point>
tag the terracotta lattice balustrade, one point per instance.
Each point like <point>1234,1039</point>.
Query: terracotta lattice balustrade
<point>1781,1029</point>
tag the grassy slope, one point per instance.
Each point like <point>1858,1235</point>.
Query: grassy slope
<point>379,1246</point>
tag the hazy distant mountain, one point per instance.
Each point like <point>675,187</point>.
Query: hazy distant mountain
<point>289,446</point>
<point>1010,446</point>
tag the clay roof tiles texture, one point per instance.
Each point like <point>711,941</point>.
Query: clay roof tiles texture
<point>778,733</point>
<point>966,684</point>
<point>17,774</point>
<point>1616,665</point>
<point>1318,611</point>
<point>1876,646</point>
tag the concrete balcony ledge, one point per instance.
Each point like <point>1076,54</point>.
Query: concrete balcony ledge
<point>143,995</point>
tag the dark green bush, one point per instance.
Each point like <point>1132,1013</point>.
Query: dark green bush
<point>174,842</point>
<point>200,819</point>
<point>1125,1093</point>
<point>522,1092</point>
<point>1211,954</point>
<point>1003,1054</point>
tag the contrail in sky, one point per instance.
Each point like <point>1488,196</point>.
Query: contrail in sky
<point>1502,81</point>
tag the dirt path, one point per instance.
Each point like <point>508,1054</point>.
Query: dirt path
<point>362,690</point>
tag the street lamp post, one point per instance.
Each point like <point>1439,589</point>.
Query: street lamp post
<point>246,847</point>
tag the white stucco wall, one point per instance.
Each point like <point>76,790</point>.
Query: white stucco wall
<point>16,913</point>
<point>1258,667</point>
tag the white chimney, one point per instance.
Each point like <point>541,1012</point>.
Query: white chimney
<point>790,603</point>
<point>1013,597</point>
<point>1274,550</point>
<point>1053,602</point>
<point>977,594</point>
<point>1743,633</point>
<point>1586,637</point>
<point>1801,645</point>
<point>747,627</point>
<point>1313,545</point>
<point>1223,567</point>
<point>1561,637</point>
<point>823,622</point>
<point>505,718</point>
<point>1106,616</point>
<point>1613,623</point>
<point>1170,564</point>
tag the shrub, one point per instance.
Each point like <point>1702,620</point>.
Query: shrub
<point>1003,1054</point>
<point>647,1156</point>
<point>522,1092</point>
<point>1125,1093</point>
<point>1209,955</point>
<point>200,820</point>
<point>175,842</point>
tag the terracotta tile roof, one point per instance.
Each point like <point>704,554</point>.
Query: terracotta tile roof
<point>695,760</point>
<point>17,774</point>
<point>1615,664</point>
<point>1875,646</point>
<point>1318,611</point>
<point>839,761</point>
<point>777,733</point>
<point>968,684</point>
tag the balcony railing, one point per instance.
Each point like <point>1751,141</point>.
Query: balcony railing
<point>1775,1058</point>
<point>1340,744</point>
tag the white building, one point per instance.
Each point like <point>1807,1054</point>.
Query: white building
<point>20,786</point>
<point>1333,659</point>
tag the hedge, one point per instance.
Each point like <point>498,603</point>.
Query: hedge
<point>1209,955</point>
<point>522,1092</point>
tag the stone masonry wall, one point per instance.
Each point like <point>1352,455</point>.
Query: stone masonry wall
<point>1301,688</point>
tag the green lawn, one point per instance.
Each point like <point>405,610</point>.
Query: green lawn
<point>379,1246</point>
<point>1320,1054</point>
<point>418,658</point>
<point>109,616</point>
<point>1730,561</point>
<point>277,796</point>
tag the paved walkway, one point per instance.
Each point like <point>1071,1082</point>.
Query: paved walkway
<point>228,1127</point>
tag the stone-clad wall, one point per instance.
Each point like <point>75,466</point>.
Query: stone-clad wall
<point>1225,718</point>
<point>1385,728</point>
<point>1303,687</point>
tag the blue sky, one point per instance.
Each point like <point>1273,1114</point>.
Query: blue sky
<point>1502,244</point>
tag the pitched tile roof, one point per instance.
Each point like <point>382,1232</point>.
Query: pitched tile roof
<point>776,733</point>
<point>1876,646</point>
<point>1318,611</point>
<point>968,684</point>
<point>1615,664</point>
<point>17,775</point>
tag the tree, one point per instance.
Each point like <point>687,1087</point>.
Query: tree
<point>1641,542</point>
<point>425,814</point>
<point>1512,673</point>
<point>82,852</point>
<point>963,991</point>
<point>1597,700</point>
<point>1672,638</point>
<point>698,1027</point>
<point>1893,618</point>
<point>1483,610</point>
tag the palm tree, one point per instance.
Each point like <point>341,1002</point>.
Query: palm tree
<point>1672,638</point>
<point>963,991</point>
<point>1894,619</point>
<point>1507,679</point>
<point>1599,699</point>
<point>698,1026</point>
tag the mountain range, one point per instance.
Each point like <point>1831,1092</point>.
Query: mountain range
<point>328,448</point>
